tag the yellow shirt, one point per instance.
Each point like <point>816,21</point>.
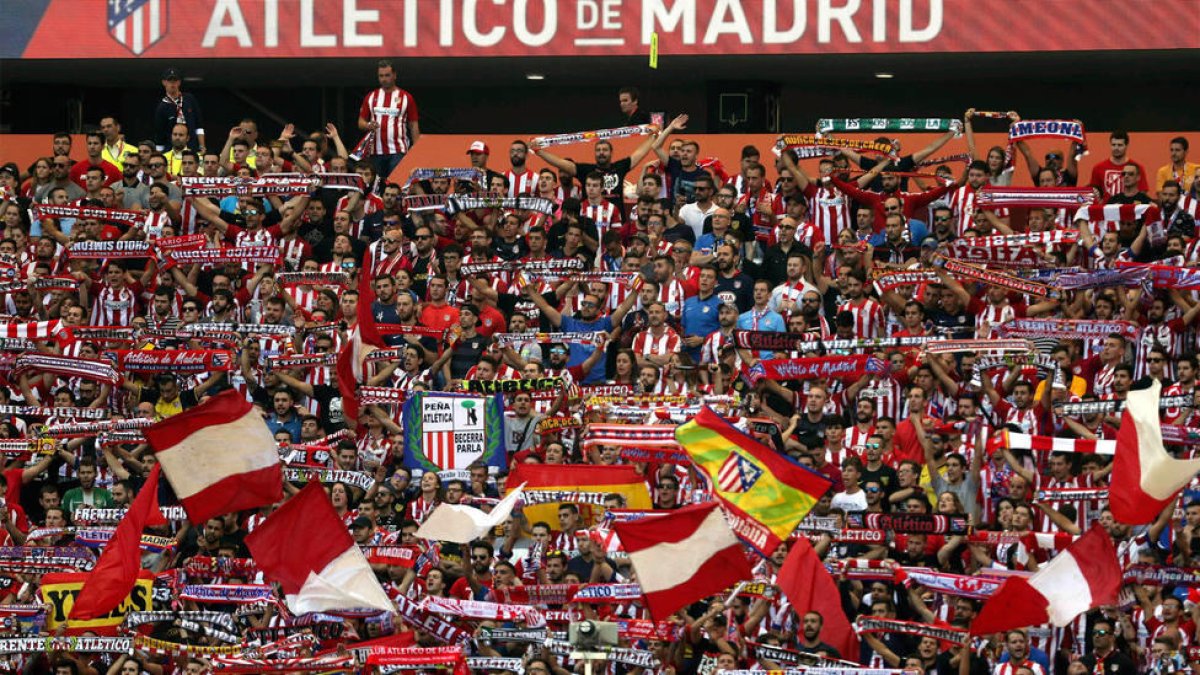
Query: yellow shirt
<point>116,154</point>
<point>1078,387</point>
<point>174,162</point>
<point>1166,173</point>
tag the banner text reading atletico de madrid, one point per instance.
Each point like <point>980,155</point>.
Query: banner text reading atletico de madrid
<point>398,28</point>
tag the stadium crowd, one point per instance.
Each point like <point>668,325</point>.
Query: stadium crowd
<point>642,290</point>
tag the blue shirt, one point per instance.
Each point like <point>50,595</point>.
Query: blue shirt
<point>291,426</point>
<point>767,321</point>
<point>580,353</point>
<point>700,318</point>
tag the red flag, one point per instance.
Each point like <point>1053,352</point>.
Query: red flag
<point>117,570</point>
<point>810,588</point>
<point>317,573</point>
<point>363,339</point>
<point>683,557</point>
<point>1086,575</point>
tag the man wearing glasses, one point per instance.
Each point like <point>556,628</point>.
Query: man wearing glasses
<point>1132,191</point>
<point>1105,657</point>
<point>694,213</point>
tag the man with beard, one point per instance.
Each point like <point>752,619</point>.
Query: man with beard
<point>87,494</point>
<point>730,278</point>
<point>612,172</point>
<point>384,307</point>
<point>521,180</point>
<point>589,320</point>
<point>476,581</point>
<point>1174,219</point>
<point>912,203</point>
<point>701,318</point>
<point>134,193</point>
<point>810,636</point>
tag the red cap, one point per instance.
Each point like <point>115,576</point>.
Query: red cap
<point>479,146</point>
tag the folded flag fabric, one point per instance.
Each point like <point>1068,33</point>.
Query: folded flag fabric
<point>765,494</point>
<point>1144,477</point>
<point>582,485</point>
<point>117,569</point>
<point>1086,575</point>
<point>810,588</point>
<point>464,524</point>
<point>683,557</point>
<point>317,574</point>
<point>220,457</point>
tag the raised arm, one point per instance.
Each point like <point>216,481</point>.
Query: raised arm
<point>920,155</point>
<point>564,165</point>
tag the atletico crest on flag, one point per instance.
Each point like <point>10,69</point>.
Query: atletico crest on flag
<point>737,474</point>
<point>137,24</point>
<point>451,431</point>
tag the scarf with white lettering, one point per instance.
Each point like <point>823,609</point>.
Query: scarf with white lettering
<point>1065,329</point>
<point>339,279</point>
<point>803,342</point>
<point>84,429</point>
<point>258,255</point>
<point>124,216</point>
<point>579,338</point>
<point>911,523</point>
<point>848,368</point>
<point>381,396</point>
<point>65,366</point>
<point>192,361</point>
<point>356,479</point>
<point>302,361</point>
<point>890,124</point>
<point>870,624</point>
<point>1071,494</point>
<point>597,135</point>
<point>534,266</point>
<point>422,203</point>
<point>513,386</point>
<point>890,281</point>
<point>996,197</point>
<point>76,644</point>
<point>993,278</point>
<point>469,174</point>
<point>486,611</point>
<point>271,184</point>
<point>1067,130</point>
<point>94,250</point>
<point>226,593</point>
<point>978,346</point>
<point>1115,406</point>
<point>459,203</point>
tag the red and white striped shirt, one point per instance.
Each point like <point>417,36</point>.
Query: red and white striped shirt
<point>829,209</point>
<point>962,203</point>
<point>868,318</point>
<point>992,315</point>
<point>672,296</point>
<point>521,183</point>
<point>114,307</point>
<point>294,251</point>
<point>648,344</point>
<point>392,110</point>
<point>605,215</point>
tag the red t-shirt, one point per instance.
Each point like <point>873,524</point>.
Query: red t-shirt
<point>78,172</point>
<point>1107,176</point>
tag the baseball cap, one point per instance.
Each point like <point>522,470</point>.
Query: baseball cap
<point>361,521</point>
<point>479,146</point>
<point>171,74</point>
<point>11,168</point>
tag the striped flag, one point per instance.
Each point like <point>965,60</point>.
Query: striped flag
<point>137,24</point>
<point>1017,441</point>
<point>765,494</point>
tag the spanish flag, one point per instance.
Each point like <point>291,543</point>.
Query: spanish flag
<point>549,485</point>
<point>765,494</point>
